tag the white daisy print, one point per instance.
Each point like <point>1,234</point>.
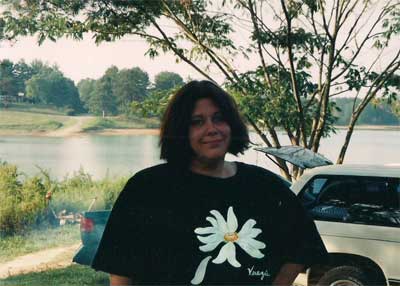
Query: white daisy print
<point>222,231</point>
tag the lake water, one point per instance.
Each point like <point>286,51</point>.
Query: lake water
<point>124,155</point>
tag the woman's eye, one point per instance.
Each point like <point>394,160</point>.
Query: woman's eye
<point>196,122</point>
<point>218,118</point>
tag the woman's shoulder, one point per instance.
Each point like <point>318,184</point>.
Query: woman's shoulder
<point>160,170</point>
<point>155,170</point>
<point>148,184</point>
<point>259,175</point>
<point>154,175</point>
<point>253,170</point>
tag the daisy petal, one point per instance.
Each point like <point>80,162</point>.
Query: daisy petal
<point>205,230</point>
<point>256,243</point>
<point>232,220</point>
<point>200,271</point>
<point>220,220</point>
<point>216,237</point>
<point>209,246</point>
<point>213,221</point>
<point>231,256</point>
<point>254,232</point>
<point>248,225</point>
<point>223,253</point>
<point>252,251</point>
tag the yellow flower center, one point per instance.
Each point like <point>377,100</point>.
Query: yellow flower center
<point>231,236</point>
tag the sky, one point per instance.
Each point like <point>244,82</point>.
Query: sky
<point>84,59</point>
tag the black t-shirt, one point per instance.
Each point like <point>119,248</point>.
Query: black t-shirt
<point>171,227</point>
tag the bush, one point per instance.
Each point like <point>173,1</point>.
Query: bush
<point>26,203</point>
<point>80,192</point>
<point>22,202</point>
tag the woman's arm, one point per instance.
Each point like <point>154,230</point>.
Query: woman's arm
<point>287,274</point>
<point>116,280</point>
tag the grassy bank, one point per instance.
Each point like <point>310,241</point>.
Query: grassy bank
<point>38,239</point>
<point>28,118</point>
<point>74,275</point>
<point>23,118</point>
<point>36,108</point>
<point>100,124</point>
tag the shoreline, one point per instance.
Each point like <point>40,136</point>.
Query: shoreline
<point>104,132</point>
<point>372,127</point>
<point>147,131</point>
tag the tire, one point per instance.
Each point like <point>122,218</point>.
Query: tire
<point>344,276</point>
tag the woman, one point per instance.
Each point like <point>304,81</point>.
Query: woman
<point>199,219</point>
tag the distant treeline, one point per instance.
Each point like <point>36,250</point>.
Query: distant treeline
<point>378,112</point>
<point>37,83</point>
<point>123,91</point>
<point>116,92</point>
<point>130,91</point>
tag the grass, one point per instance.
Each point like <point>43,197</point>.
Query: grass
<point>24,117</point>
<point>70,276</point>
<point>97,124</point>
<point>73,194</point>
<point>35,108</point>
<point>35,240</point>
<point>78,192</point>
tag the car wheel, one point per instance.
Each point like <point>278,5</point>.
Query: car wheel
<point>344,276</point>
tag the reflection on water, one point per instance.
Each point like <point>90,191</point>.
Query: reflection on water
<point>98,155</point>
<point>124,155</point>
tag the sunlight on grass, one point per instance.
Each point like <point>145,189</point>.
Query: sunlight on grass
<point>99,123</point>
<point>35,240</point>
<point>26,121</point>
<point>69,276</point>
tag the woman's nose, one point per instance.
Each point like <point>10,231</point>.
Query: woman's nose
<point>210,126</point>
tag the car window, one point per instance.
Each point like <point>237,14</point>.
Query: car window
<point>376,192</point>
<point>353,199</point>
<point>344,190</point>
<point>313,188</point>
<point>397,191</point>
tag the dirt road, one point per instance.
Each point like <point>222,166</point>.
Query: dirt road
<point>71,130</point>
<point>52,258</point>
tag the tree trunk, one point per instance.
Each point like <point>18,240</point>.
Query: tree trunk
<point>346,143</point>
<point>283,168</point>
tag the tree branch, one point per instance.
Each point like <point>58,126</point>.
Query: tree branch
<point>296,94</point>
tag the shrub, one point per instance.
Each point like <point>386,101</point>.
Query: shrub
<point>80,192</point>
<point>22,202</point>
<point>25,201</point>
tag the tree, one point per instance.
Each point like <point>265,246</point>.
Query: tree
<point>102,100</point>
<point>154,104</point>
<point>167,80</point>
<point>86,88</point>
<point>130,85</point>
<point>377,112</point>
<point>51,87</point>
<point>396,108</point>
<point>115,91</point>
<point>307,51</point>
<point>23,72</point>
<point>8,80</point>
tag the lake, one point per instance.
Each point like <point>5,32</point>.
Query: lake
<point>102,155</point>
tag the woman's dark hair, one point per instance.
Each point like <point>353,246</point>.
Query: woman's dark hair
<point>174,135</point>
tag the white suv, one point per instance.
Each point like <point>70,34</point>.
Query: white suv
<point>357,212</point>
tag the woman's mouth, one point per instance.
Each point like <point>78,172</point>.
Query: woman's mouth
<point>212,142</point>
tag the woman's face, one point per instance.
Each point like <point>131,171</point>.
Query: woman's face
<point>209,133</point>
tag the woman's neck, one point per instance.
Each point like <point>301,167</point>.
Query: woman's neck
<point>218,169</point>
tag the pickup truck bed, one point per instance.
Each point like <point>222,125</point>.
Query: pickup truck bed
<point>92,228</point>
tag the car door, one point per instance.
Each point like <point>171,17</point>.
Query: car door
<point>357,215</point>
